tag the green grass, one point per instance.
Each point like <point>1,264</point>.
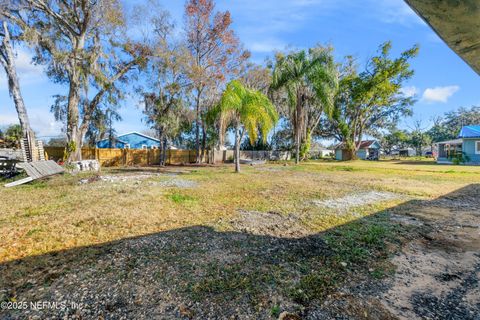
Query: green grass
<point>360,240</point>
<point>315,286</point>
<point>275,311</point>
<point>180,198</point>
<point>355,248</point>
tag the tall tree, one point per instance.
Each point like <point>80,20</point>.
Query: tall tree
<point>372,99</point>
<point>250,111</point>
<point>257,77</point>
<point>84,45</point>
<point>419,138</point>
<point>309,81</point>
<point>394,139</point>
<point>216,57</point>
<point>166,87</point>
<point>7,60</point>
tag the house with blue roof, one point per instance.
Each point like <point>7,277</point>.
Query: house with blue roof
<point>131,140</point>
<point>466,146</point>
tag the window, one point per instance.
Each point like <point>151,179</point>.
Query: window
<point>477,147</point>
<point>144,146</point>
<point>127,146</point>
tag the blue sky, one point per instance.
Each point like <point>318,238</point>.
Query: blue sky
<point>442,81</point>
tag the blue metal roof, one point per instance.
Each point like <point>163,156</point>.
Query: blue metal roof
<point>470,132</point>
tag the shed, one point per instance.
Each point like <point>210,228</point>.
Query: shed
<point>368,150</point>
<point>407,152</point>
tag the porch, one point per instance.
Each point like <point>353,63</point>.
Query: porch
<point>447,150</point>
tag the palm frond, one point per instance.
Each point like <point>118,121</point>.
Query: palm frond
<point>248,107</point>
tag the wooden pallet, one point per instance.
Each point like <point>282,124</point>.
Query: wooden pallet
<point>37,153</point>
<point>37,170</point>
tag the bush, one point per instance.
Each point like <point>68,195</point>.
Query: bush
<point>460,158</point>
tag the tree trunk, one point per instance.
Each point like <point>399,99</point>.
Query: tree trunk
<point>204,141</point>
<point>197,127</point>
<point>110,130</point>
<point>164,151</point>
<point>237,148</point>
<point>160,154</point>
<point>160,147</point>
<point>350,154</point>
<point>297,149</point>
<point>74,137</point>
<point>298,128</point>
<point>75,133</point>
<point>75,147</point>
<point>352,150</point>
<point>8,61</point>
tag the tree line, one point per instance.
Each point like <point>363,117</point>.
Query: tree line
<point>196,82</point>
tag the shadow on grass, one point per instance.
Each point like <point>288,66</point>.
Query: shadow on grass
<point>416,162</point>
<point>198,272</point>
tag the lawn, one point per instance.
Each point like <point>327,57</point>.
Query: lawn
<point>221,239</point>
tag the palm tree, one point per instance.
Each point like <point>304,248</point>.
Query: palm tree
<point>249,111</point>
<point>309,80</point>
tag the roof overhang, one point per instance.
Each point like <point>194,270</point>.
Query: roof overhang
<point>114,139</point>
<point>451,142</point>
<point>456,22</point>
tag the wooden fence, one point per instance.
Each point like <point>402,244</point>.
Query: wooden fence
<point>133,157</point>
<point>127,157</point>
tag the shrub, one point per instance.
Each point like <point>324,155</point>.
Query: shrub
<point>460,158</point>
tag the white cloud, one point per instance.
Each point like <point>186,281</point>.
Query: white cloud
<point>263,25</point>
<point>27,72</point>
<point>439,94</point>
<point>8,119</point>
<point>395,11</point>
<point>409,92</point>
<point>266,46</point>
<point>43,123</point>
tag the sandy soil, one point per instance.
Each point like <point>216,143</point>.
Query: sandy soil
<point>437,272</point>
<point>356,200</point>
<point>438,275</point>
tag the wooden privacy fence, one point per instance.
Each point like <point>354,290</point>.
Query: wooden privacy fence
<point>146,157</point>
<point>126,157</point>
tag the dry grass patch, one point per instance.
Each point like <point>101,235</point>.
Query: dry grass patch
<point>61,213</point>
<point>207,242</point>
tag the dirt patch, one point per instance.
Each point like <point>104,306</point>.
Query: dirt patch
<point>137,179</point>
<point>120,178</point>
<point>406,220</point>
<point>438,275</point>
<point>456,203</point>
<point>269,223</point>
<point>356,200</point>
<point>434,285</point>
